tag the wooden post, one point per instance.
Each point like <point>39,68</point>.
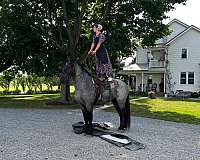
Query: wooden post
<point>164,83</point>
<point>142,81</point>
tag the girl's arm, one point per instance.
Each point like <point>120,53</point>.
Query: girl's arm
<point>97,47</point>
<point>92,46</point>
<point>101,40</point>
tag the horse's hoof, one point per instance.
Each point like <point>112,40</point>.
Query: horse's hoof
<point>122,129</point>
<point>85,128</point>
<point>89,131</point>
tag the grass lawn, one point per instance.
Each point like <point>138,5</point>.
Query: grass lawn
<point>171,110</point>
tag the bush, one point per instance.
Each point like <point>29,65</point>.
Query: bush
<point>6,92</point>
<point>16,92</point>
<point>194,95</point>
<point>152,94</point>
<point>30,92</point>
<point>50,91</point>
<point>140,93</point>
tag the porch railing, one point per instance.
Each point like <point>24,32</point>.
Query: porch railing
<point>156,63</point>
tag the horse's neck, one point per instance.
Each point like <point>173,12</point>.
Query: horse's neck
<point>83,81</point>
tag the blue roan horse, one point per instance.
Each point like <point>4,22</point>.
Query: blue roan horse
<point>86,95</point>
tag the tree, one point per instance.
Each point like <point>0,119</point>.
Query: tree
<point>6,79</point>
<point>40,35</point>
<point>22,81</point>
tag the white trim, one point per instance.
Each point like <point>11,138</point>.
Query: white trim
<point>188,78</point>
<point>186,30</point>
<point>187,73</point>
<point>182,53</point>
<point>164,83</point>
<point>185,78</point>
<point>142,82</point>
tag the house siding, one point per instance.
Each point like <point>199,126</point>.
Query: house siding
<point>141,55</point>
<point>176,28</point>
<point>189,40</point>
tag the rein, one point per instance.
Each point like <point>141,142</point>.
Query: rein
<point>72,72</point>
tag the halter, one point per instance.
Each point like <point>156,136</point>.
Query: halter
<point>72,72</point>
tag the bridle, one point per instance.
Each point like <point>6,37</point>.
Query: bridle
<point>71,71</point>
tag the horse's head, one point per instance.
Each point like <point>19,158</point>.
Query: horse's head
<point>70,70</point>
<point>66,72</point>
<point>74,69</point>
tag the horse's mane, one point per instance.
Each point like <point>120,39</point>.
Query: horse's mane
<point>85,69</point>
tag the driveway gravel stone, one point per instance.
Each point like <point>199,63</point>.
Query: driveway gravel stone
<point>47,134</point>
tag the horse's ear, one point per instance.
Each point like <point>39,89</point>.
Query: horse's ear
<point>78,61</point>
<point>68,61</point>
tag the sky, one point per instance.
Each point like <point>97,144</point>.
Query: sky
<point>188,13</point>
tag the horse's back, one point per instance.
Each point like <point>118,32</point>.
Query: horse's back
<point>122,89</point>
<point>120,83</point>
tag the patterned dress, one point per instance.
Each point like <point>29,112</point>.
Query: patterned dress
<point>103,65</point>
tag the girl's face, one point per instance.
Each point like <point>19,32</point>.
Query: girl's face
<point>95,29</point>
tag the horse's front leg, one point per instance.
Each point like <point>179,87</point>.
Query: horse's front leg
<point>90,118</point>
<point>85,116</point>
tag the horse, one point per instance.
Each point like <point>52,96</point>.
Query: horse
<point>86,95</point>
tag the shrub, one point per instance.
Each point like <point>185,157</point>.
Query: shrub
<point>194,95</point>
<point>16,92</point>
<point>30,92</point>
<point>140,93</point>
<point>152,94</point>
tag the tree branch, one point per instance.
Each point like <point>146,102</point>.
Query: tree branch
<point>52,14</point>
<point>67,23</point>
<point>78,21</point>
<point>6,63</point>
<point>107,10</point>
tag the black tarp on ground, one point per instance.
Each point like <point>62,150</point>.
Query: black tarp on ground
<point>103,132</point>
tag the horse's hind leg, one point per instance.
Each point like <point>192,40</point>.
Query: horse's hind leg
<point>120,112</point>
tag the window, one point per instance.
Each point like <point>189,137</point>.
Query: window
<point>190,77</point>
<point>183,78</point>
<point>184,53</point>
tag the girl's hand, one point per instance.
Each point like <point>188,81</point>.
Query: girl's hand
<point>89,52</point>
<point>94,52</point>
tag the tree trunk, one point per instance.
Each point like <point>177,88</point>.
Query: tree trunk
<point>65,92</point>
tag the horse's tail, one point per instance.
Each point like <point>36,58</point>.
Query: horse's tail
<point>127,112</point>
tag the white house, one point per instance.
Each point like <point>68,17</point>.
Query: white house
<point>174,64</point>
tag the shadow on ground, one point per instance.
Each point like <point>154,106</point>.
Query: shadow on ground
<point>32,102</point>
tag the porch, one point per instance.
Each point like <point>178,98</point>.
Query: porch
<point>144,79</point>
<point>147,81</point>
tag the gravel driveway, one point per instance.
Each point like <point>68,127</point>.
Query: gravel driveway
<point>41,134</point>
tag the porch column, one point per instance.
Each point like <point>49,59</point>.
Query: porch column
<point>164,82</point>
<point>128,81</point>
<point>142,81</point>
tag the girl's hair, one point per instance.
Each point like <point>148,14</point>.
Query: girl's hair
<point>99,26</point>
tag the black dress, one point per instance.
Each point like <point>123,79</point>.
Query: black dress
<point>103,65</point>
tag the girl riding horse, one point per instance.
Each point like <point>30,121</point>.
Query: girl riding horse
<point>103,65</point>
